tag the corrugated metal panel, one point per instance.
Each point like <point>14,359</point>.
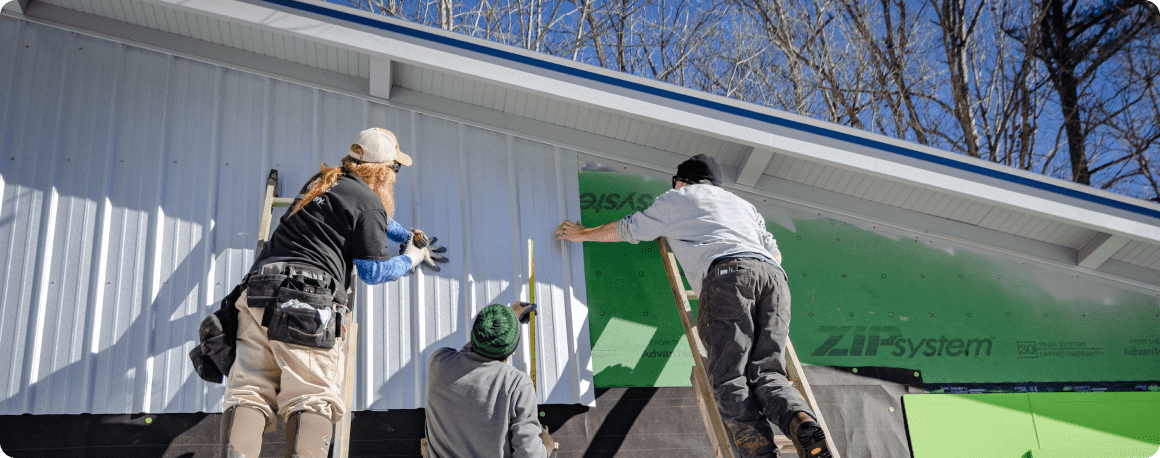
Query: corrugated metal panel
<point>131,184</point>
<point>1152,257</point>
<point>1132,252</point>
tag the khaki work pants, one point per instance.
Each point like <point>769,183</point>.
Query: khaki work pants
<point>277,377</point>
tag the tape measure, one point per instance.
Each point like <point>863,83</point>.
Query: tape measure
<point>532,317</point>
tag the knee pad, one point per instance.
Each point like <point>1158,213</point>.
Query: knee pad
<point>308,435</point>
<point>241,432</point>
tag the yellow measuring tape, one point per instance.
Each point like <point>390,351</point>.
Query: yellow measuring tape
<point>532,317</point>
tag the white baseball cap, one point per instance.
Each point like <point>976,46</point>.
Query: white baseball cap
<point>378,145</point>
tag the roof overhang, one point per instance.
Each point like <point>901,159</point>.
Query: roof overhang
<point>645,125</point>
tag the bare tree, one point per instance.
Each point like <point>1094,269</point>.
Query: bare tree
<point>1074,42</point>
<point>1008,81</point>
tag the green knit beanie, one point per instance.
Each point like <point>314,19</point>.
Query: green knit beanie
<point>496,332</point>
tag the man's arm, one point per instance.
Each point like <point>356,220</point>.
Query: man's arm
<point>767,239</point>
<point>576,232</point>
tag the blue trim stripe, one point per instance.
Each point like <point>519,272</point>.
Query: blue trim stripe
<point>717,106</point>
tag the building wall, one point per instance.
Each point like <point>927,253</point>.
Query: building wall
<point>132,184</point>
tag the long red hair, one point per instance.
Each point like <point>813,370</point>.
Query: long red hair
<point>377,175</point>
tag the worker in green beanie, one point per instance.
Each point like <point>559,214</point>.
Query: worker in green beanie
<point>477,404</point>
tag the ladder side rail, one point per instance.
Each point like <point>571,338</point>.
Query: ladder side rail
<point>714,425</point>
<point>267,210</point>
<point>341,447</point>
<point>798,376</point>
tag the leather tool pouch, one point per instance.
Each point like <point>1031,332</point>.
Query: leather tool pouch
<point>299,306</point>
<point>216,350</point>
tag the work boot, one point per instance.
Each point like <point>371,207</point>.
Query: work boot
<point>752,439</point>
<point>241,432</point>
<point>308,435</point>
<point>808,437</point>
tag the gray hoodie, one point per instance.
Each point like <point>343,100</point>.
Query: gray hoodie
<point>702,222</point>
<point>480,407</point>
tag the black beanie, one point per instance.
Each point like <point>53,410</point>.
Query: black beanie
<point>700,167</point>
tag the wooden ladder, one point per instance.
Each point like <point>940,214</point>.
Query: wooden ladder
<point>714,426</point>
<point>341,441</point>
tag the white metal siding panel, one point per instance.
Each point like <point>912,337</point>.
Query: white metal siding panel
<point>633,129</point>
<point>826,177</point>
<point>955,211</point>
<point>977,214</point>
<point>867,184</point>
<point>1130,252</point>
<point>646,129</point>
<point>899,193</point>
<point>1079,234</point>
<point>781,166</point>
<point>1035,230</point>
<point>1152,255</point>
<point>803,171</point>
<point>1072,237</point>
<point>1137,253</point>
<point>493,98</point>
<point>477,92</point>
<point>837,178</point>
<point>682,137</point>
<point>936,204</point>
<point>815,176</point>
<point>995,217</point>
<point>1025,223</point>
<point>792,173</point>
<point>852,184</point>
<point>131,183</point>
<point>1010,219</point>
<point>573,115</point>
<point>878,191</point>
<point>621,128</point>
<point>903,196</point>
<point>1047,233</point>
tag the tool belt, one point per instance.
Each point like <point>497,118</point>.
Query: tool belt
<point>302,304</point>
<point>305,307</point>
<point>215,352</point>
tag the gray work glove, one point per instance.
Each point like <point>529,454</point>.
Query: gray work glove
<point>523,310</point>
<point>422,249</point>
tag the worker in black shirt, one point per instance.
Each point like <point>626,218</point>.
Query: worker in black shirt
<point>290,317</point>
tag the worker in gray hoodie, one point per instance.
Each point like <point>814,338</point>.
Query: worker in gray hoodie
<point>478,405</point>
<point>734,266</point>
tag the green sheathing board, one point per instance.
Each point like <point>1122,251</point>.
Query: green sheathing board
<point>1034,425</point>
<point>863,296</point>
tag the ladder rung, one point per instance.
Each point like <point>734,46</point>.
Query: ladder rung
<point>282,201</point>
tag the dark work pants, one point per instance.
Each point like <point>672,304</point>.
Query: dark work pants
<point>743,319</point>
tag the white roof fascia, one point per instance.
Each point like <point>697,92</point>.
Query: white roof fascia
<point>638,97</point>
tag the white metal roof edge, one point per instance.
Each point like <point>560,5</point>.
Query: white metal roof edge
<point>718,116</point>
<point>690,110</point>
<point>594,148</point>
